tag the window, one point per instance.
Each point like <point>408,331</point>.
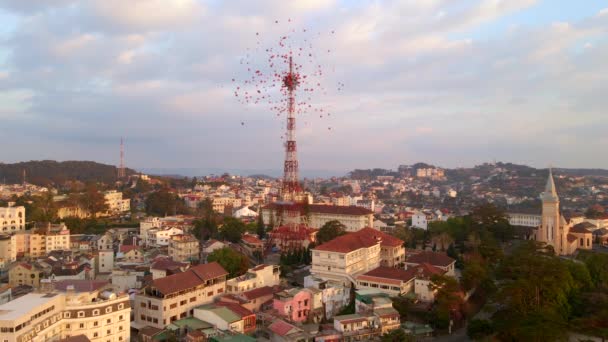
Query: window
<point>109,320</point>
<point>81,325</point>
<point>173,306</point>
<point>143,305</point>
<point>67,326</point>
<point>192,299</point>
<point>108,309</point>
<point>95,323</point>
<point>80,314</point>
<point>95,334</point>
<point>66,315</point>
<point>96,312</point>
<point>120,307</point>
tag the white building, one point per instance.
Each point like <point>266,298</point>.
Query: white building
<point>259,276</point>
<point>105,261</point>
<point>420,220</point>
<point>77,308</point>
<point>12,219</point>
<point>161,237</point>
<point>525,220</point>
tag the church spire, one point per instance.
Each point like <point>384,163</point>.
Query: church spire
<point>550,193</point>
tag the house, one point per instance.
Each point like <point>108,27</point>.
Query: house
<point>420,220</point>
<point>334,296</point>
<point>259,276</point>
<point>131,253</point>
<point>25,274</point>
<point>252,244</point>
<point>227,317</point>
<point>210,246</point>
<point>357,327</point>
<point>244,212</point>
<point>423,282</point>
<point>297,305</point>
<point>392,281</point>
<point>437,259</point>
<point>162,267</point>
<point>281,331</point>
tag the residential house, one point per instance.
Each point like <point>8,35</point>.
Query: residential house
<point>227,317</point>
<point>184,248</point>
<point>437,259</point>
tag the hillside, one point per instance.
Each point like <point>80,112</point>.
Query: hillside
<point>49,172</point>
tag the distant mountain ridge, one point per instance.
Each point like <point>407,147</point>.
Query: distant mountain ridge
<point>51,172</point>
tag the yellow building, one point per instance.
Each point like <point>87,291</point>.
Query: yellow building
<point>184,248</point>
<point>25,274</point>
<point>316,215</point>
<point>175,297</point>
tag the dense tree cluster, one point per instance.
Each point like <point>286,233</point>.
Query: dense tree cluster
<point>163,203</point>
<point>330,231</point>
<point>233,262</point>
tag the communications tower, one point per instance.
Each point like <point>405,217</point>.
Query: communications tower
<point>291,189</point>
<point>121,168</point>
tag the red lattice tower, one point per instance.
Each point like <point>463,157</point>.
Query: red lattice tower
<point>121,167</point>
<point>291,185</point>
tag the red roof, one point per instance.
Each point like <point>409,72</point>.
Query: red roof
<point>397,275</point>
<point>238,309</point>
<point>251,239</point>
<point>281,327</point>
<point>433,258</point>
<point>425,270</point>
<point>167,264</point>
<point>192,277</point>
<point>366,237</point>
<point>128,248</point>
<point>583,228</point>
<point>321,209</point>
<point>259,292</point>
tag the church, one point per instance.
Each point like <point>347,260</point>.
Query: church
<point>563,234</point>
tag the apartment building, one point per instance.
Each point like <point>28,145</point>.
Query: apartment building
<point>184,248</point>
<point>116,204</point>
<point>25,274</point>
<point>12,219</point>
<point>86,308</point>
<point>8,248</point>
<point>157,237</point>
<point>174,297</point>
<point>347,256</point>
<point>45,238</point>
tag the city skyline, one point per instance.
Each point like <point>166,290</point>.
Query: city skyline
<point>448,83</point>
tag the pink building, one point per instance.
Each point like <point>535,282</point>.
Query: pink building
<point>294,304</point>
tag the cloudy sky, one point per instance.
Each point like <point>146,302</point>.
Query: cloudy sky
<point>453,83</point>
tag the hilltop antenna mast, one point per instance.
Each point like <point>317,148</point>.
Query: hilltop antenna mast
<point>291,186</point>
<point>121,167</point>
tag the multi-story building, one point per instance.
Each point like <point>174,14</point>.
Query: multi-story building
<point>316,215</point>
<point>259,276</point>
<point>43,239</point>
<point>86,308</point>
<point>174,297</point>
<point>392,281</point>
<point>116,204</point>
<point>352,254</point>
<point>184,248</point>
<point>157,237</point>
<point>436,259</point>
<point>26,274</point>
<point>420,220</point>
<point>8,248</point>
<point>524,220</point>
<point>12,219</point>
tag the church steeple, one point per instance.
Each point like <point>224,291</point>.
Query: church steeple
<point>549,194</point>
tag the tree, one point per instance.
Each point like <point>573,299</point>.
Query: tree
<point>93,200</point>
<point>234,263</point>
<point>163,202</point>
<point>330,231</point>
<point>261,228</point>
<point>448,301</point>
<point>403,233</point>
<point>232,229</point>
<point>479,328</point>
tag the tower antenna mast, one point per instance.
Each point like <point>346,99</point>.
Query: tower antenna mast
<point>291,186</point>
<point>121,167</point>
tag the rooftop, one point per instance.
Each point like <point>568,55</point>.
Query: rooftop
<point>433,258</point>
<point>190,278</point>
<point>395,275</point>
<point>364,238</point>
<point>25,305</point>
